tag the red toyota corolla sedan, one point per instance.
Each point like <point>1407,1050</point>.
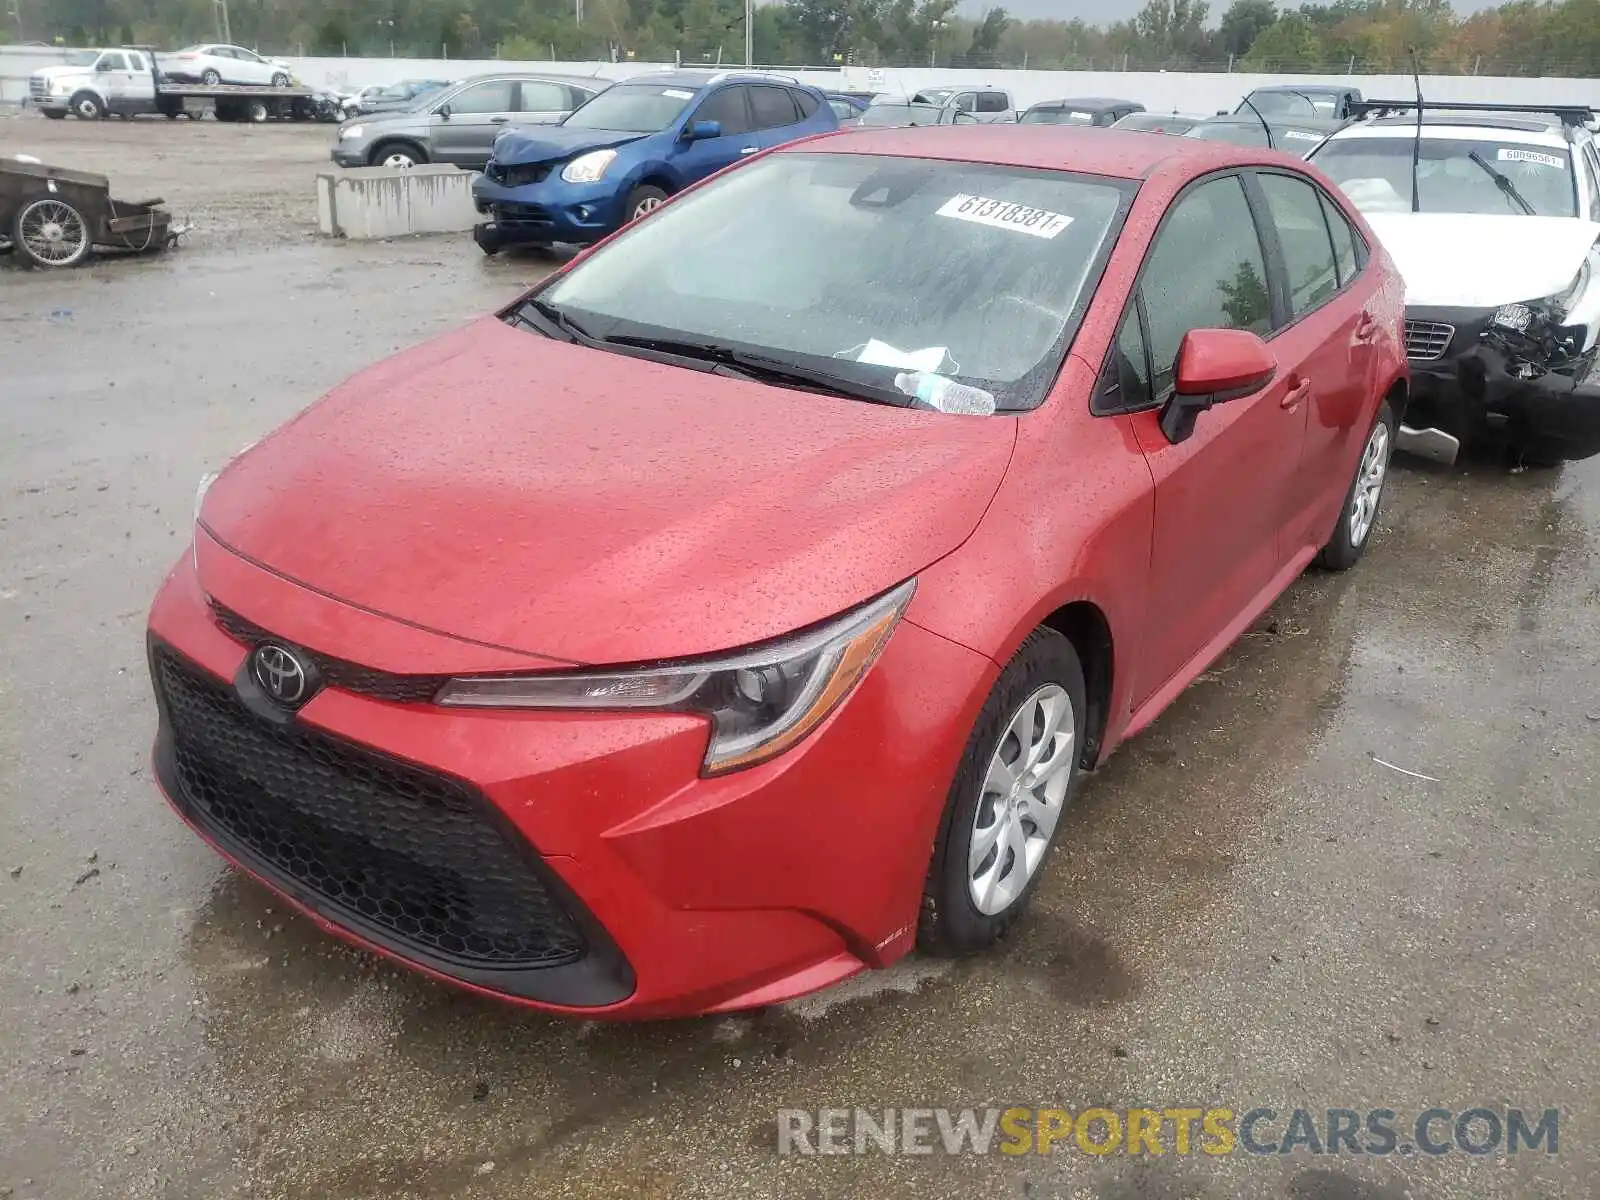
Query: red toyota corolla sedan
<point>738,609</point>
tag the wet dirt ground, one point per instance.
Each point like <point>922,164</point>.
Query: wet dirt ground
<point>1247,907</point>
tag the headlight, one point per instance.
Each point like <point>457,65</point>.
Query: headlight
<point>1563,300</point>
<point>588,168</point>
<point>200,491</point>
<point>760,701</point>
<point>354,131</point>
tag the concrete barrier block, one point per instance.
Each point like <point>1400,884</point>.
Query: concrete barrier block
<point>365,203</point>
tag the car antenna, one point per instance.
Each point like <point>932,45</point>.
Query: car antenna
<point>1416,142</point>
<point>1265,128</point>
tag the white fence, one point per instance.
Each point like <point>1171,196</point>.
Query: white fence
<point>1161,91</point>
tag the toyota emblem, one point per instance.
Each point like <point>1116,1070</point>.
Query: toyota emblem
<point>280,674</point>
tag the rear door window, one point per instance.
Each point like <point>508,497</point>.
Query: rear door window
<point>727,108</point>
<point>113,62</point>
<point>1303,236</point>
<point>772,107</point>
<point>992,102</point>
<point>494,96</point>
<point>538,96</point>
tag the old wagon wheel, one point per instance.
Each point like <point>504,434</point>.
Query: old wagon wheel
<point>51,233</point>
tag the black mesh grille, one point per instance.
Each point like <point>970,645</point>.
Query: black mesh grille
<point>518,174</point>
<point>404,849</point>
<point>337,672</point>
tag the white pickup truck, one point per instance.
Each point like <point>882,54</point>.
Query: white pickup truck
<point>125,82</point>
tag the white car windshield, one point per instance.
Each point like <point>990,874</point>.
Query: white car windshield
<point>1454,175</point>
<point>632,108</point>
<point>861,265</point>
<point>896,116</point>
<point>82,58</point>
<point>1056,116</point>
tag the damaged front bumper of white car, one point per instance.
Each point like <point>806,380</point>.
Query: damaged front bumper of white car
<point>1513,374</point>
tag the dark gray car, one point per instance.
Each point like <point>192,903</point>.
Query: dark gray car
<point>459,124</point>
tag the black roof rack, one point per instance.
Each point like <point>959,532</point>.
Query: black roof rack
<point>1567,114</point>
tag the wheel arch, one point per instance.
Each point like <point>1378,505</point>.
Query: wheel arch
<point>1084,624</point>
<point>410,143</point>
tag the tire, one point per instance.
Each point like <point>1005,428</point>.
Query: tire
<point>51,232</point>
<point>54,114</point>
<point>256,111</point>
<point>970,900</point>
<point>88,107</point>
<point>280,80</point>
<point>1539,453</point>
<point>642,200</point>
<point>397,154</point>
<point>1358,515</point>
<point>211,77</point>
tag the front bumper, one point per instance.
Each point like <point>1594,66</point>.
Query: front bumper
<point>659,893</point>
<point>349,154</point>
<point>1475,391</point>
<point>540,214</point>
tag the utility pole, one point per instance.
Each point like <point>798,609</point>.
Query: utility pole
<point>224,30</point>
<point>749,32</point>
<point>16,11</point>
<point>577,12</point>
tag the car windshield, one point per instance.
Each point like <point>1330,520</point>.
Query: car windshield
<point>901,115</point>
<point>1289,104</point>
<point>1454,175</point>
<point>82,58</point>
<point>934,95</point>
<point>399,91</point>
<point>1155,123</point>
<point>1056,116</point>
<point>858,266</point>
<point>1288,138</point>
<point>632,108</point>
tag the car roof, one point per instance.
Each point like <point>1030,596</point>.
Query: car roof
<point>1084,102</point>
<point>1108,152</point>
<point>546,76</point>
<point>1329,89</point>
<point>691,78</point>
<point>1277,121</point>
<point>1486,129</point>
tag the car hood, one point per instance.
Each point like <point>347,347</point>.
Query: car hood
<point>542,143</point>
<point>57,72</point>
<point>1475,260</point>
<point>501,487</point>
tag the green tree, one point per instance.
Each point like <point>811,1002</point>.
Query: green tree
<point>986,37</point>
<point>1290,44</point>
<point>1243,23</point>
<point>1171,32</point>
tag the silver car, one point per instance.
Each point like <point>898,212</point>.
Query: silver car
<point>458,124</point>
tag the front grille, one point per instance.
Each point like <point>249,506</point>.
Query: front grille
<point>384,845</point>
<point>338,672</point>
<point>518,174</point>
<point>38,89</point>
<point>533,216</point>
<point>1427,340</point>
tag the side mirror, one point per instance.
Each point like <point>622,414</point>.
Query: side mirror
<point>1214,366</point>
<point>699,131</point>
<point>444,111</point>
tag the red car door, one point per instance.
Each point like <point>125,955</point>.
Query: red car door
<point>1328,341</point>
<point>1221,494</point>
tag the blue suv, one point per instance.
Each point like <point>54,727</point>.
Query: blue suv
<point>628,149</point>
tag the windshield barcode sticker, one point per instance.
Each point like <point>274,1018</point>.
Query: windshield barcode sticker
<point>677,93</point>
<point>1301,135</point>
<point>1532,156</point>
<point>1002,214</point>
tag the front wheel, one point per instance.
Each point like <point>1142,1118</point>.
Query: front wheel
<point>1361,502</point>
<point>88,107</point>
<point>642,201</point>
<point>1016,778</point>
<point>210,77</point>
<point>397,154</point>
<point>54,114</point>
<point>280,80</point>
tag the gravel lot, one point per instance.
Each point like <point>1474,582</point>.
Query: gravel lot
<point>1247,908</point>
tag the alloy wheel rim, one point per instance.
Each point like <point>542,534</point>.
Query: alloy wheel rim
<point>1369,484</point>
<point>398,160</point>
<point>53,232</point>
<point>647,205</point>
<point>1021,801</point>
<point>88,108</point>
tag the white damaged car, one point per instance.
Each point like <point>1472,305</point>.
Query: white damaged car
<point>1493,218</point>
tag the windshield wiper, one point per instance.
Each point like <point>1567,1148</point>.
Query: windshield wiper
<point>553,316</point>
<point>1503,182</point>
<point>742,364</point>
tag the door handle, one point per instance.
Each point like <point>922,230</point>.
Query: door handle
<point>1366,328</point>
<point>1298,391</point>
<point>498,120</point>
<point>749,149</point>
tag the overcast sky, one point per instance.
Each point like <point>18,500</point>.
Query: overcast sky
<point>1103,12</point>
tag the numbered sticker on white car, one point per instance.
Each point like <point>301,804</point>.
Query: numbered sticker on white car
<point>1003,214</point>
<point>1532,156</point>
